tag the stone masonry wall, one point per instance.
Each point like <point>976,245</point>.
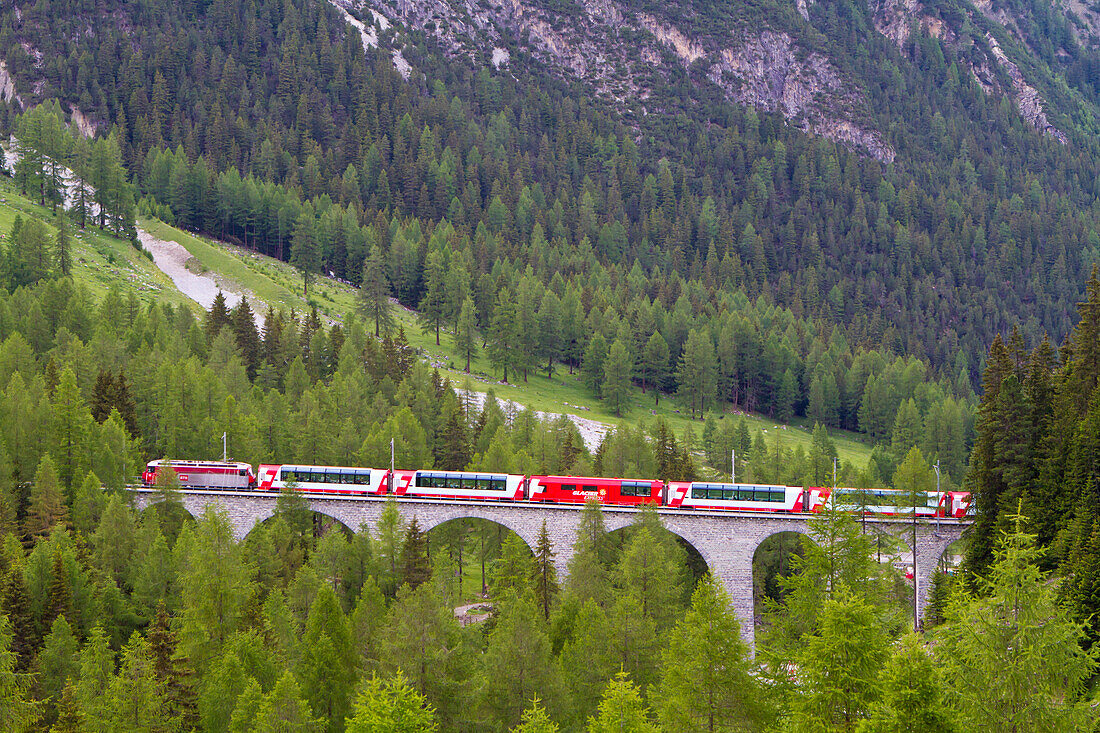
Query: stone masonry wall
<point>726,541</point>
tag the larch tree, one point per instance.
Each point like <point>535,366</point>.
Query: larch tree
<point>465,335</point>
<point>216,583</point>
<point>913,697</point>
<point>433,305</point>
<point>47,504</point>
<point>1012,657</point>
<point>391,706</point>
<point>327,666</point>
<point>517,664</point>
<point>18,709</point>
<point>374,293</point>
<point>654,364</point>
<point>504,333</point>
<point>617,368</point>
<point>305,250</point>
<point>706,683</point>
<point>622,709</point>
<point>697,373</point>
<point>422,639</point>
<point>839,666</point>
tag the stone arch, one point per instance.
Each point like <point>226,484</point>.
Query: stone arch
<point>266,514</point>
<point>442,514</point>
<point>759,585</point>
<point>144,506</point>
<point>698,561</point>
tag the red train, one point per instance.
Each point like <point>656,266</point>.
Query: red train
<point>478,486</point>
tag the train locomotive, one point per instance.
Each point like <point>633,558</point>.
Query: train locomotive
<point>575,490</point>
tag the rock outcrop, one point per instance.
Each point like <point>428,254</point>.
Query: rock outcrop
<point>618,51</point>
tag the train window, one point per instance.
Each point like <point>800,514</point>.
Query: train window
<point>590,488</point>
<point>569,487</point>
<point>500,484</point>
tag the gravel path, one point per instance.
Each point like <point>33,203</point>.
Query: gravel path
<point>171,258</point>
<point>591,431</point>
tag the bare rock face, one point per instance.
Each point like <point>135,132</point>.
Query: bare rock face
<point>896,20</point>
<point>762,68</point>
<point>1028,101</point>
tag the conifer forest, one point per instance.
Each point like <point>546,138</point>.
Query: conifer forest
<point>814,245</point>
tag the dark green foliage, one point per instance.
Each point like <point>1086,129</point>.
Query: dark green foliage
<point>415,568</point>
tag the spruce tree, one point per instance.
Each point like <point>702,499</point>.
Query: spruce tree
<point>415,568</point>
<point>217,317</point>
<point>546,583</point>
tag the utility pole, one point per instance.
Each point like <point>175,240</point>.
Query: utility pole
<point>733,466</point>
<point>916,581</point>
<point>391,467</point>
<point>224,452</point>
<point>939,497</point>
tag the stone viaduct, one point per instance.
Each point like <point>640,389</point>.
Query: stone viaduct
<point>727,541</point>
